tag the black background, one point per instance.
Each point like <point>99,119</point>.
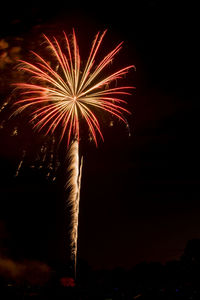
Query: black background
<point>140,194</point>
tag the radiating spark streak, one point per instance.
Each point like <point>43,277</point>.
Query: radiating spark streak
<point>63,62</point>
<point>53,111</point>
<point>43,75</point>
<point>90,61</point>
<point>102,65</point>
<point>18,168</point>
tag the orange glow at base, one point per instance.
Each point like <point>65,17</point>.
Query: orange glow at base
<point>67,282</point>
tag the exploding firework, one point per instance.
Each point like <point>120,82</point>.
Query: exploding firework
<point>63,92</point>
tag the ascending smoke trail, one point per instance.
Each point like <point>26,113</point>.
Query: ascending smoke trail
<point>73,183</point>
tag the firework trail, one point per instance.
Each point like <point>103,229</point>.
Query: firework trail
<point>73,186</point>
<point>20,163</point>
<point>64,92</point>
<point>3,108</point>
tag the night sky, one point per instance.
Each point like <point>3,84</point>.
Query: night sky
<point>140,193</point>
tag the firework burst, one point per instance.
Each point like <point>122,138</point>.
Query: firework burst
<point>62,92</point>
<point>67,93</point>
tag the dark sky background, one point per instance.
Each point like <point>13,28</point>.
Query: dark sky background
<point>140,194</point>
